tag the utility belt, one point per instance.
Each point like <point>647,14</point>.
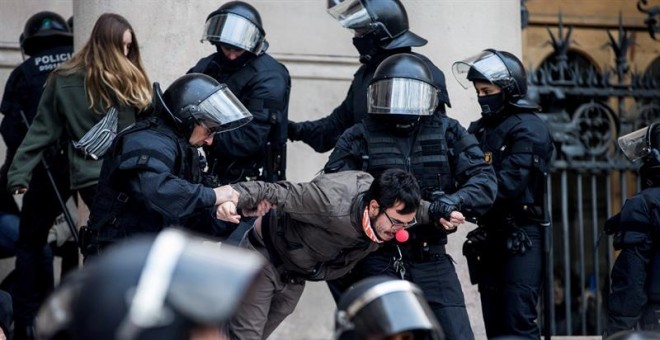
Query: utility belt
<point>523,215</point>
<point>418,251</point>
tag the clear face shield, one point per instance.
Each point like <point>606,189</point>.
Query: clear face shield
<point>402,96</point>
<point>637,144</point>
<point>222,111</point>
<point>487,63</point>
<point>400,307</point>
<point>353,15</point>
<point>234,30</point>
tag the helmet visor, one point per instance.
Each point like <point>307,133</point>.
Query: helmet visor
<point>234,30</point>
<point>403,96</point>
<point>636,144</point>
<point>222,111</point>
<point>351,14</point>
<point>202,268</point>
<point>389,308</point>
<point>486,63</point>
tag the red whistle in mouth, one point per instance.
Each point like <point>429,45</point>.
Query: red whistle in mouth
<point>402,235</point>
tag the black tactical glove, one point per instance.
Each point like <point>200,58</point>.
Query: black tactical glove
<point>442,207</point>
<point>517,240</point>
<point>293,131</point>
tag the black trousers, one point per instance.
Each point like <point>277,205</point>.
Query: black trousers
<point>40,208</point>
<point>509,286</point>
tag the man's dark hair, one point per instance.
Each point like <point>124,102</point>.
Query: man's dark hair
<point>395,185</point>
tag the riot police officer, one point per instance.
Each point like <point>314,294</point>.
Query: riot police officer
<point>47,41</point>
<point>403,131</point>
<point>381,307</point>
<point>260,82</point>
<point>634,300</point>
<point>381,30</point>
<point>152,177</point>
<point>518,145</point>
<point>152,287</point>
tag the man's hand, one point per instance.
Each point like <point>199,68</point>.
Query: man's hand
<point>260,210</point>
<point>456,218</point>
<point>226,193</point>
<point>227,212</point>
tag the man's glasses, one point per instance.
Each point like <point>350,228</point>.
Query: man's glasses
<point>211,131</point>
<point>400,224</point>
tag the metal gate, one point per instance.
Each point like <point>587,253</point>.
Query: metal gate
<point>587,110</point>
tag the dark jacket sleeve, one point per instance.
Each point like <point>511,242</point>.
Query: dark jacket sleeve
<point>347,154</point>
<point>322,134</point>
<point>13,128</point>
<point>271,85</point>
<point>477,185</point>
<point>154,178</point>
<point>516,170</point>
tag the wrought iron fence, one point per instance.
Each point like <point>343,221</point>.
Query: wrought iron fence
<point>587,109</point>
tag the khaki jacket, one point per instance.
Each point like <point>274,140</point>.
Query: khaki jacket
<point>320,236</point>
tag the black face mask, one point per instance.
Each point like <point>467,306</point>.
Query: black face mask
<point>367,47</point>
<point>233,65</point>
<point>400,125</point>
<point>491,105</point>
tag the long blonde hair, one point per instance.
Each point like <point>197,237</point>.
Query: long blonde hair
<point>110,76</point>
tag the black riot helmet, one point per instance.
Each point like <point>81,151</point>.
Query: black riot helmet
<point>377,24</point>
<point>151,287</point>
<point>401,91</point>
<point>500,68</point>
<point>237,24</point>
<point>644,144</point>
<point>196,98</point>
<point>45,30</point>
<point>378,307</point>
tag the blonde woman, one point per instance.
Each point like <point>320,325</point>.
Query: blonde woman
<point>107,72</point>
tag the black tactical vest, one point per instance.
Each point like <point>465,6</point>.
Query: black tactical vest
<point>427,157</point>
<point>116,213</point>
<point>496,147</point>
<point>278,117</point>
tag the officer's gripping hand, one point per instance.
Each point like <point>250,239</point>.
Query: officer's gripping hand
<point>293,131</point>
<point>226,193</point>
<point>261,209</point>
<point>227,212</point>
<point>445,210</point>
